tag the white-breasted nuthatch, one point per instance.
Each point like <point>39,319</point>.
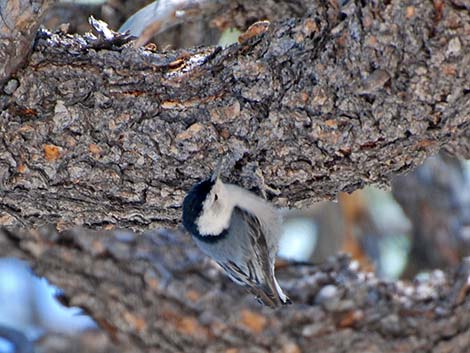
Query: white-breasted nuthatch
<point>240,231</point>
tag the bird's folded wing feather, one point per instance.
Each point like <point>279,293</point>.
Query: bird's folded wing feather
<point>256,269</point>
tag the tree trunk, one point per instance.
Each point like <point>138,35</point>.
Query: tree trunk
<point>439,233</point>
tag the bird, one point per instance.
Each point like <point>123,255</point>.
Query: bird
<point>238,230</point>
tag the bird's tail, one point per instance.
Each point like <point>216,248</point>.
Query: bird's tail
<point>271,294</point>
<point>280,293</point>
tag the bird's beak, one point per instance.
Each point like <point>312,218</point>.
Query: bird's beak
<point>217,170</point>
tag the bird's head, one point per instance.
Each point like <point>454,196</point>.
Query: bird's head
<point>206,207</point>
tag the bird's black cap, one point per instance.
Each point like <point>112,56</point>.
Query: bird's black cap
<point>192,204</point>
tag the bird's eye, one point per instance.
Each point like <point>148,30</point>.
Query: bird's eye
<point>216,197</point>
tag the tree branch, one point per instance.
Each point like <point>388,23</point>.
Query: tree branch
<point>107,135</point>
<point>19,22</point>
<point>155,292</point>
<point>161,15</point>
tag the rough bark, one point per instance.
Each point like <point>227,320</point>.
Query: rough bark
<point>100,134</point>
<point>155,292</point>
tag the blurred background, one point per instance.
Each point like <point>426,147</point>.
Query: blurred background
<point>421,224</point>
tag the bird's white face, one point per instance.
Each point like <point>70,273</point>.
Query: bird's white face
<point>216,211</point>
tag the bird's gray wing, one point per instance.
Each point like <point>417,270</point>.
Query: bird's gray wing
<point>255,269</point>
